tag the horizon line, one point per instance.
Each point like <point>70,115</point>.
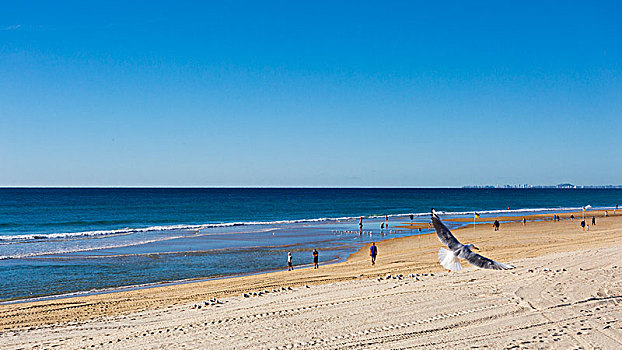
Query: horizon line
<point>474,187</point>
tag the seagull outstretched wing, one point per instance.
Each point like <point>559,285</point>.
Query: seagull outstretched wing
<point>443,233</point>
<point>485,263</point>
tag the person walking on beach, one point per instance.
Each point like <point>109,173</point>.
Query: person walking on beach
<point>593,221</point>
<point>571,217</point>
<point>524,221</point>
<point>496,225</point>
<point>373,252</point>
<point>583,225</point>
<point>290,266</point>
<point>315,259</point>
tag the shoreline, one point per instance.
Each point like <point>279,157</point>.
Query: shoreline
<point>410,254</point>
<point>79,294</point>
<point>463,224</point>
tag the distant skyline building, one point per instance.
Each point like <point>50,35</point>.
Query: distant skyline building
<point>559,186</point>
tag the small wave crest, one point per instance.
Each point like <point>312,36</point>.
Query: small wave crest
<point>180,227</point>
<point>85,249</point>
<point>198,227</point>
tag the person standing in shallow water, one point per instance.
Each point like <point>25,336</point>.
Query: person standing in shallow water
<point>373,252</point>
<point>315,259</point>
<point>290,262</point>
<point>361,226</point>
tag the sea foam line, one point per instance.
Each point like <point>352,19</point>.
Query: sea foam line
<point>87,234</point>
<point>85,249</point>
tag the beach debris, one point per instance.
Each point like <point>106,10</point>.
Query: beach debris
<point>530,270</point>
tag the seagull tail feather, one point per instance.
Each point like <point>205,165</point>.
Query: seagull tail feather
<point>449,260</point>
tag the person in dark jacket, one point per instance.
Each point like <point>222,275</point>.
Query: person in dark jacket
<point>496,225</point>
<point>315,259</point>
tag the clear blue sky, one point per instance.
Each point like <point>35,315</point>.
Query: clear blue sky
<point>310,93</point>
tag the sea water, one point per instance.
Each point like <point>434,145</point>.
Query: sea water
<point>57,241</point>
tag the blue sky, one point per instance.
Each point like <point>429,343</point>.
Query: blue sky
<point>310,93</point>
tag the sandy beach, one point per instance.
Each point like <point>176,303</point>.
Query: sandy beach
<point>566,292</point>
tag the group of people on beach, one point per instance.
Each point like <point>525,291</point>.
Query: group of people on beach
<point>373,252</point>
<point>586,227</point>
<point>383,225</point>
<point>316,260</point>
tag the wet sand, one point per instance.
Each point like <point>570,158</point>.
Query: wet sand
<point>346,306</point>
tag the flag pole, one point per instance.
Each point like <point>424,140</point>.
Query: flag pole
<point>474,230</point>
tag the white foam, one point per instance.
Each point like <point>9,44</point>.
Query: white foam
<point>86,249</point>
<point>88,234</point>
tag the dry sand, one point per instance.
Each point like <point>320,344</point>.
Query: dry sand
<point>577,303</point>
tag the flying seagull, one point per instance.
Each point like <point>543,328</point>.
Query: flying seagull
<point>450,259</point>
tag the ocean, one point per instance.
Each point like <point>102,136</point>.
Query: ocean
<point>76,240</point>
